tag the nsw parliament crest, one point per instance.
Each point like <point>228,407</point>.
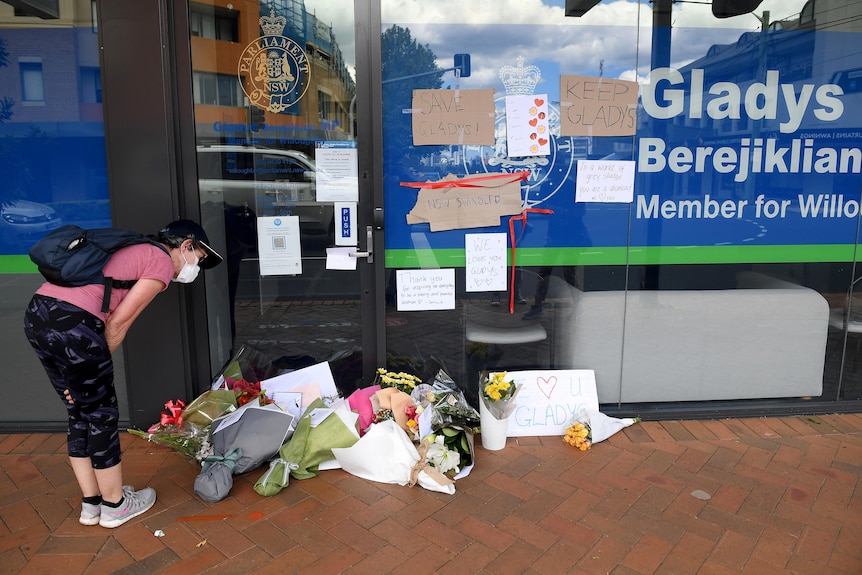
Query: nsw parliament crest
<point>274,70</point>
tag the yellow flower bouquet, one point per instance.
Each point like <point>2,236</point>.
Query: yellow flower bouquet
<point>498,394</point>
<point>590,426</point>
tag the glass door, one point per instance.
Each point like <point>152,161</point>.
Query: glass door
<point>278,164</point>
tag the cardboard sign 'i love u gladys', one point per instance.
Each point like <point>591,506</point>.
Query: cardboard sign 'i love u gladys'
<point>548,400</point>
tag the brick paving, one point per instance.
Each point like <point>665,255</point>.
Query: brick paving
<point>759,496</point>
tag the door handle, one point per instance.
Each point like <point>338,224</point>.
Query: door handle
<point>369,246</point>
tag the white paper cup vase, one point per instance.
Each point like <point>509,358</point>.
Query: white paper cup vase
<point>494,431</point>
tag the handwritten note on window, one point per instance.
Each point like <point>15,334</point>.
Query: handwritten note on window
<point>425,289</point>
<point>486,262</point>
<point>605,181</point>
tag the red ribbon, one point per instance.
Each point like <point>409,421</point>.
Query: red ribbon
<point>468,182</point>
<point>522,217</point>
<point>171,415</point>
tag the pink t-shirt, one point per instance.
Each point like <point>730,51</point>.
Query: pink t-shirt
<point>134,262</point>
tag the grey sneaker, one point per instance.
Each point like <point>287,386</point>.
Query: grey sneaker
<point>91,513</point>
<point>134,503</point>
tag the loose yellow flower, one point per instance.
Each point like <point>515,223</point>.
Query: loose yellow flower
<point>578,435</point>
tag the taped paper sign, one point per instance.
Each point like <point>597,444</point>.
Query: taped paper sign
<point>477,201</point>
<point>527,126</point>
<point>548,400</point>
<point>442,117</point>
<point>486,262</point>
<point>605,181</point>
<point>597,106</point>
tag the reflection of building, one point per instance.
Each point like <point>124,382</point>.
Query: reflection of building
<point>51,133</point>
<point>53,76</point>
<point>790,46</point>
<point>770,94</point>
<point>220,34</point>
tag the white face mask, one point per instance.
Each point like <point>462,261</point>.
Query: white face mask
<point>189,271</point>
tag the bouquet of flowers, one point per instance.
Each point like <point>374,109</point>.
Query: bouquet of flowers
<point>389,403</point>
<point>590,426</point>
<point>449,451</point>
<point>247,391</point>
<point>386,455</point>
<point>401,381</point>
<point>320,429</point>
<point>498,394</point>
<point>187,428</point>
<point>208,406</point>
<point>172,431</point>
<point>448,406</point>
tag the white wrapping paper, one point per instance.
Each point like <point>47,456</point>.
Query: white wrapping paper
<point>385,454</point>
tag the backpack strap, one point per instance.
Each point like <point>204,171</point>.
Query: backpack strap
<point>110,283</point>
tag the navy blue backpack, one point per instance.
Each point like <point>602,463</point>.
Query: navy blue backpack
<point>71,256</point>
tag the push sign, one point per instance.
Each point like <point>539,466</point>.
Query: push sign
<point>345,221</point>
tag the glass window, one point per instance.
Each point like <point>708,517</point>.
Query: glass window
<point>53,170</point>
<point>228,90</point>
<point>741,200</point>
<point>216,89</point>
<point>213,22</point>
<point>32,84</point>
<point>259,121</point>
<point>206,89</point>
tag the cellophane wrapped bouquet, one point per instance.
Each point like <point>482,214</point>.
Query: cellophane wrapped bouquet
<point>417,432</point>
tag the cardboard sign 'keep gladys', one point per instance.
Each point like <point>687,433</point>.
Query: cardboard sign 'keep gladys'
<point>597,106</point>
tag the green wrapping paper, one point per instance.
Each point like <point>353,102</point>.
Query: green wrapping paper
<point>208,406</point>
<point>307,448</point>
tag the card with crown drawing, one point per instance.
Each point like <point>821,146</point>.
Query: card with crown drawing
<point>527,131</point>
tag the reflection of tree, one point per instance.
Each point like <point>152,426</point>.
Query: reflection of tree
<point>18,174</point>
<point>403,57</point>
<point>6,102</point>
<point>8,159</point>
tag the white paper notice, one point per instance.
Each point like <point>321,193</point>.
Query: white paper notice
<point>340,259</point>
<point>605,181</point>
<point>527,126</point>
<point>425,289</point>
<point>278,245</point>
<point>486,262</point>
<point>337,172</point>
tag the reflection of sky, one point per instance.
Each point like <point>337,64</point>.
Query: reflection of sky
<point>582,46</point>
<point>496,32</point>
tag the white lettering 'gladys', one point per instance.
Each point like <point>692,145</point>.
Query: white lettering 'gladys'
<point>759,100</point>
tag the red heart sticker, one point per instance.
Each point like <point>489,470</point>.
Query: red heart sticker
<point>533,122</point>
<point>539,101</point>
<point>542,141</point>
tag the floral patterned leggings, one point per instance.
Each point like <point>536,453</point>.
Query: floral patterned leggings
<point>71,345</point>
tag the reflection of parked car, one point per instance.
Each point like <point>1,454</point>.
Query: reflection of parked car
<point>250,174</point>
<point>269,181</point>
<point>23,222</point>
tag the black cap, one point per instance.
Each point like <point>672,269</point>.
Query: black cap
<point>193,231</point>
